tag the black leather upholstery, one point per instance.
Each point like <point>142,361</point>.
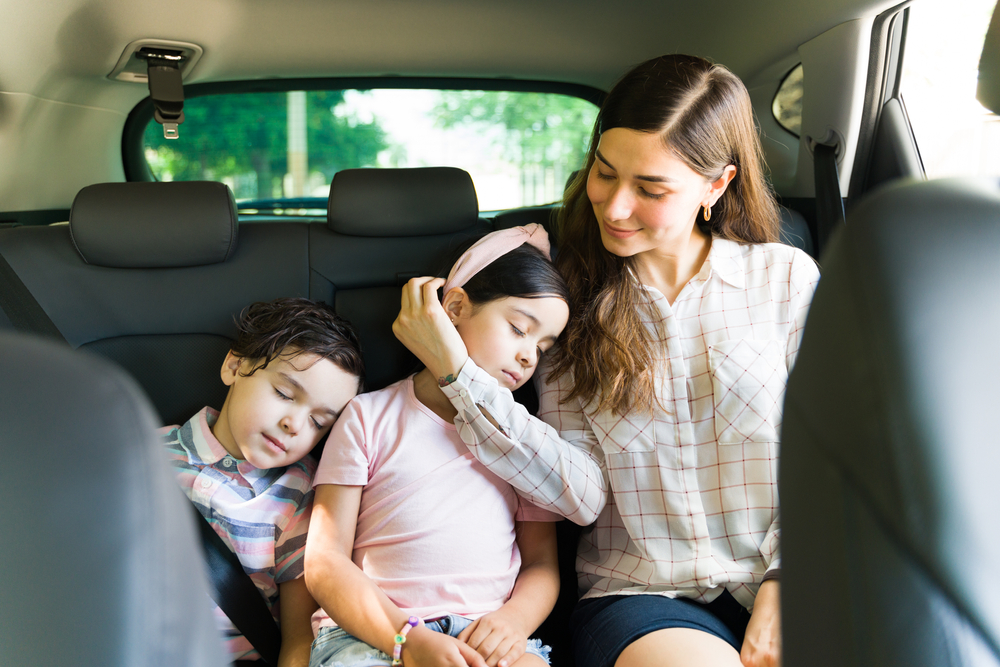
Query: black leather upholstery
<point>99,551</point>
<point>891,541</point>
<point>154,225</point>
<point>402,202</point>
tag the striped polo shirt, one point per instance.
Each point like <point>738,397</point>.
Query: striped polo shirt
<point>262,515</point>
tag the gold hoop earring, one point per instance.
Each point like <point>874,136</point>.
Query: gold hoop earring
<point>707,212</point>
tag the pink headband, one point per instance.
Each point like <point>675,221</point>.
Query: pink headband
<point>492,246</point>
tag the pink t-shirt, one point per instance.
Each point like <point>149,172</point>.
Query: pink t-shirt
<point>435,528</point>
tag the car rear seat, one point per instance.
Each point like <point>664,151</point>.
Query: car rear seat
<point>151,275</point>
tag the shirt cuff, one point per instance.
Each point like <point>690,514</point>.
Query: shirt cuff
<point>473,389</point>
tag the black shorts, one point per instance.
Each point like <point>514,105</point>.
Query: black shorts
<point>604,626</point>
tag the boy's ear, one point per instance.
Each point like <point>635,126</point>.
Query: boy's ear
<point>231,368</point>
<point>456,303</point>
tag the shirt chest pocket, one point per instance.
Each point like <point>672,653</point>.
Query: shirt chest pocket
<point>748,387</point>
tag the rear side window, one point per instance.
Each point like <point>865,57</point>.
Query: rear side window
<point>787,103</point>
<point>280,150</point>
<point>955,134</point>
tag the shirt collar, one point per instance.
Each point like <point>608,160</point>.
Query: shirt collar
<point>724,259</point>
<point>205,449</point>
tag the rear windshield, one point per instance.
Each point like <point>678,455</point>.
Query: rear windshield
<point>278,151</point>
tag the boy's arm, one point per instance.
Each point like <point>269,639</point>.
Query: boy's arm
<point>501,636</point>
<point>353,600</point>
<point>297,607</point>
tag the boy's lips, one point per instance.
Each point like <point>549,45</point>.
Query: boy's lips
<point>275,444</point>
<point>514,377</point>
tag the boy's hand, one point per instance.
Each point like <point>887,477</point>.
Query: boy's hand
<point>425,328</point>
<point>496,638</point>
<point>426,648</point>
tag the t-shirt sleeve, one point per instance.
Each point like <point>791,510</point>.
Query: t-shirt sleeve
<point>345,456</point>
<point>528,511</point>
<point>290,540</point>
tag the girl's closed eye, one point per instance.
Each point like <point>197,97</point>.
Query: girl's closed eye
<point>284,397</point>
<point>650,195</point>
<point>518,331</point>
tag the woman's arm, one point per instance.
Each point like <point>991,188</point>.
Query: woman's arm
<point>762,642</point>
<point>501,636</point>
<point>353,600</point>
<point>297,607</point>
<point>560,469</point>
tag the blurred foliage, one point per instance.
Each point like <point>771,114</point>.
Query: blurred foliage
<point>541,130</point>
<point>239,134</point>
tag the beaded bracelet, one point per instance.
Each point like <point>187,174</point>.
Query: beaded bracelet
<point>397,650</point>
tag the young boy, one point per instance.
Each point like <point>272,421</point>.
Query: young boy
<point>294,366</point>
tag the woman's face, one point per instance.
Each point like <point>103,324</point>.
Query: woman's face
<point>644,197</point>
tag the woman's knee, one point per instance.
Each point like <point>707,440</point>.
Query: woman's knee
<point>679,647</point>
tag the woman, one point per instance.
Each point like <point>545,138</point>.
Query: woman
<point>667,388</point>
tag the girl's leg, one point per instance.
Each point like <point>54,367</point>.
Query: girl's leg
<point>679,647</point>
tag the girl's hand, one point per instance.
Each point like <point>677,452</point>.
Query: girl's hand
<point>426,648</point>
<point>762,642</point>
<point>496,638</point>
<point>425,328</point>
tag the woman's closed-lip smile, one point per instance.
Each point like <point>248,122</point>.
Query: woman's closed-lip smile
<point>619,233</point>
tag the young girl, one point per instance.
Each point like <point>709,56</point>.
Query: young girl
<point>416,553</point>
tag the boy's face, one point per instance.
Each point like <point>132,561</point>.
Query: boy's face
<point>277,415</point>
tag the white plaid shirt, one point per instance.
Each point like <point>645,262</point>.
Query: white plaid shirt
<point>694,502</point>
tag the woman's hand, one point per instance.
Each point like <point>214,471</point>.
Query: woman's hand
<point>426,648</point>
<point>425,328</point>
<point>497,638</point>
<point>762,642</point>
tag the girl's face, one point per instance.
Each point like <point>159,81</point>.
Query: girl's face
<point>645,198</point>
<point>507,336</point>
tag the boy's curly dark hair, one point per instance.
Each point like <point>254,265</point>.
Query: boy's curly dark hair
<point>266,330</point>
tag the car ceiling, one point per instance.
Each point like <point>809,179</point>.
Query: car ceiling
<point>50,46</point>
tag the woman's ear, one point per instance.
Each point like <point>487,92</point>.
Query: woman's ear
<point>719,185</point>
<point>456,303</point>
<point>231,368</point>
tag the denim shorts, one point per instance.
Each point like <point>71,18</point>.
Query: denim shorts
<point>335,648</point>
<point>603,627</point>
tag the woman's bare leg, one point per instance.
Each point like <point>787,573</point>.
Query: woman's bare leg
<point>679,647</point>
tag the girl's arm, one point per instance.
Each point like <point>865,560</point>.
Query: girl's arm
<point>560,469</point>
<point>501,636</point>
<point>352,599</point>
<point>297,607</point>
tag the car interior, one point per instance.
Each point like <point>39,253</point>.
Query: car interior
<point>119,288</point>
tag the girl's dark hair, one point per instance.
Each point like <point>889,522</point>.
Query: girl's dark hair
<point>523,272</point>
<point>290,325</point>
<point>703,116</point>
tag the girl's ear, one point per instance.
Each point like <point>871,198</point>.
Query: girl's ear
<point>456,303</point>
<point>231,368</point>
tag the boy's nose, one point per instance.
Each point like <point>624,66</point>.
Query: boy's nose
<point>288,425</point>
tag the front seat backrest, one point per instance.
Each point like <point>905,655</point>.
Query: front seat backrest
<point>99,553</point>
<point>889,492</point>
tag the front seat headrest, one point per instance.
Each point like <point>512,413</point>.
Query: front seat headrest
<point>154,225</point>
<point>402,202</point>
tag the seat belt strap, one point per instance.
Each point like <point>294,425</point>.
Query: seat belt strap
<point>21,307</point>
<point>236,594</point>
<point>829,203</point>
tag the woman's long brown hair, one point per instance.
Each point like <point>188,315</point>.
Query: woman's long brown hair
<point>703,115</point>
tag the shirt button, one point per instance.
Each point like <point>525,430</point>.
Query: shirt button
<point>206,482</point>
<point>228,462</point>
<point>463,393</point>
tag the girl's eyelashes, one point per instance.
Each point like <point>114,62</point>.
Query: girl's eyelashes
<point>284,397</point>
<point>316,424</point>
<point>518,331</point>
<point>605,177</point>
<point>650,195</point>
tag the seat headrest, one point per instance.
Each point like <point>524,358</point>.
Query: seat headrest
<point>402,202</point>
<point>154,225</point>
<point>988,91</point>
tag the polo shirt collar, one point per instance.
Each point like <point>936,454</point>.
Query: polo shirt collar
<point>207,449</point>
